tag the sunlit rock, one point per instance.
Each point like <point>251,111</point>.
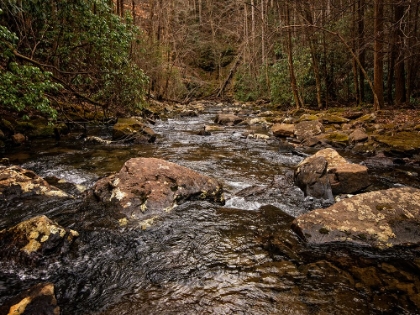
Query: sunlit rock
<point>16,182</point>
<point>145,186</point>
<point>132,130</point>
<point>35,239</point>
<point>358,135</point>
<point>39,299</point>
<point>283,130</point>
<point>308,129</point>
<point>344,177</point>
<point>380,219</point>
<point>227,119</point>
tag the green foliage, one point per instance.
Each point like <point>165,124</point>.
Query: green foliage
<point>85,44</point>
<point>23,86</point>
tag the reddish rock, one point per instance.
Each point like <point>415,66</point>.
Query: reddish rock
<point>18,138</point>
<point>146,186</point>
<point>283,130</point>
<point>379,219</point>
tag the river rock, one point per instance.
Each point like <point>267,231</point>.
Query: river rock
<point>227,119</point>
<point>401,143</point>
<point>40,299</point>
<point>33,240</point>
<point>18,139</point>
<point>343,177</point>
<point>333,119</point>
<point>283,130</point>
<point>358,135</point>
<point>308,129</point>
<point>146,186</point>
<point>132,130</point>
<point>379,219</point>
<point>16,182</point>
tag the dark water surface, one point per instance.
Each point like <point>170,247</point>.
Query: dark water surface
<point>241,258</point>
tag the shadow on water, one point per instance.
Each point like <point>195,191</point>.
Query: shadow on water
<point>200,258</point>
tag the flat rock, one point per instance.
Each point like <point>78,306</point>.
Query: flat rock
<point>402,142</point>
<point>283,130</point>
<point>379,219</point>
<point>146,186</point>
<point>34,240</point>
<point>358,135</point>
<point>17,182</point>
<point>227,119</point>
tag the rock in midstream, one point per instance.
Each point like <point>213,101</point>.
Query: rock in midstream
<point>147,186</point>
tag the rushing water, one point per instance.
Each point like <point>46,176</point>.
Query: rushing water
<point>241,258</point>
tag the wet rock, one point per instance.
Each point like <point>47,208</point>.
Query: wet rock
<point>227,119</point>
<point>283,130</point>
<point>211,128</point>
<point>18,139</point>
<point>313,179</point>
<point>34,240</point>
<point>403,143</point>
<point>337,139</point>
<point>358,135</point>
<point>97,140</point>
<point>379,161</point>
<point>146,186</point>
<point>344,177</point>
<point>16,182</point>
<point>188,113</point>
<point>379,219</point>
<point>308,129</point>
<point>38,300</point>
<point>132,130</point>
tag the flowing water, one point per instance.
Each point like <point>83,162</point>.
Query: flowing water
<point>240,258</point>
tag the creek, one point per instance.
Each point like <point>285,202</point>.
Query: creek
<point>240,258</point>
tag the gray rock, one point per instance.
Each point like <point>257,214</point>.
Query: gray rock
<point>379,219</point>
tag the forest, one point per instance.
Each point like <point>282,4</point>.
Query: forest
<point>117,55</point>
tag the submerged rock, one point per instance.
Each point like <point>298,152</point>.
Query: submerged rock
<point>344,177</point>
<point>35,239</point>
<point>145,186</point>
<point>379,219</point>
<point>40,299</point>
<point>17,182</point>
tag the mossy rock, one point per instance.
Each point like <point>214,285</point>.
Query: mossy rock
<point>367,118</point>
<point>402,142</point>
<point>40,127</point>
<point>7,126</point>
<point>333,119</point>
<point>308,117</point>
<point>337,137</point>
<point>2,135</point>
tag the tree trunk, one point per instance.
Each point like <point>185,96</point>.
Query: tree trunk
<point>378,55</point>
<point>400,89</point>
<point>361,50</point>
<point>289,45</point>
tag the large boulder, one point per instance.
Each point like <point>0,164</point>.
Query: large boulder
<point>344,177</point>
<point>379,219</point>
<point>308,129</point>
<point>132,130</point>
<point>34,240</point>
<point>227,119</point>
<point>283,130</point>
<point>16,182</point>
<point>146,186</point>
<point>39,299</point>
